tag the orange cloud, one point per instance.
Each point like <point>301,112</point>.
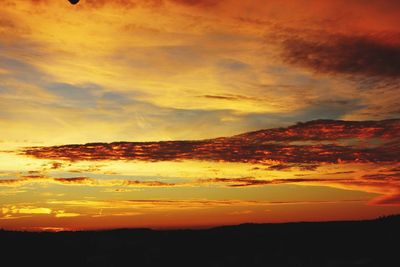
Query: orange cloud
<point>179,204</point>
<point>84,181</point>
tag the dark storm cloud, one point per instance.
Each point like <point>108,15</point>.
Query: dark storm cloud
<point>342,54</point>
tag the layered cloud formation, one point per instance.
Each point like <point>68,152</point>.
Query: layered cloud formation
<point>173,70</point>
<point>139,109</point>
<point>305,146</point>
<point>265,146</point>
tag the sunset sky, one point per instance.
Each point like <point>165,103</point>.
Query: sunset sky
<point>197,113</point>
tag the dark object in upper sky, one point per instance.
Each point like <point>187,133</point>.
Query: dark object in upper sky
<point>74,2</point>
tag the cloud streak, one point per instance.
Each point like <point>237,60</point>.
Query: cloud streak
<point>83,181</point>
<point>251,181</point>
<point>303,143</point>
<point>179,203</point>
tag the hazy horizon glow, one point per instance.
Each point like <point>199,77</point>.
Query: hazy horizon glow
<point>127,113</point>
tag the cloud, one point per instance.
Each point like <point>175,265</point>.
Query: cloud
<point>56,165</point>
<point>173,204</point>
<point>12,209</point>
<point>10,191</point>
<point>251,181</point>
<point>16,211</point>
<point>144,183</point>
<point>386,185</point>
<point>213,52</point>
<point>32,210</point>
<point>196,69</point>
<point>383,176</point>
<point>389,200</point>
<point>6,24</point>
<point>304,144</point>
<point>286,166</point>
<point>11,182</point>
<point>231,97</point>
<point>76,180</point>
<point>63,214</point>
<point>368,56</point>
<point>83,181</point>
<point>84,95</point>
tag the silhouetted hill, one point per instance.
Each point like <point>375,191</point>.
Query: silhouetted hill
<point>358,243</point>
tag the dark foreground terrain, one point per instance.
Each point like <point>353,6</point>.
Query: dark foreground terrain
<point>365,243</point>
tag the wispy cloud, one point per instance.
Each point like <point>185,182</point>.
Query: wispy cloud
<point>83,181</point>
<point>21,210</point>
<point>179,204</point>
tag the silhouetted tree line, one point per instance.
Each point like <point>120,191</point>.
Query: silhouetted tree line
<point>352,243</point>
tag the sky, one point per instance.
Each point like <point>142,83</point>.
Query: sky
<point>197,113</point>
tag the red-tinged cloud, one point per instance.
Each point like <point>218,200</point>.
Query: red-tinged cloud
<point>329,130</point>
<point>75,180</point>
<point>251,181</point>
<point>305,144</point>
<point>395,176</point>
<point>390,200</point>
<point>368,56</point>
<point>385,184</point>
<point>145,183</point>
